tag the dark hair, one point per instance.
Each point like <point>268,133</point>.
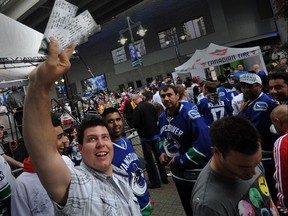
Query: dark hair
<point>187,84</point>
<point>279,75</point>
<point>110,110</point>
<point>210,86</point>
<point>56,119</point>
<point>238,86</point>
<point>180,90</point>
<point>234,133</point>
<point>221,78</point>
<point>87,122</point>
<point>166,87</point>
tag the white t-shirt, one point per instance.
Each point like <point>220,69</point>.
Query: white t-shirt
<point>236,103</point>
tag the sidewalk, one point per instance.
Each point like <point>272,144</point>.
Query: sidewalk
<point>166,200</point>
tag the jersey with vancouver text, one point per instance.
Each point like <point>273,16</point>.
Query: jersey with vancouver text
<point>185,137</point>
<point>126,159</point>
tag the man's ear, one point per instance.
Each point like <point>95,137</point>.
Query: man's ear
<point>277,121</point>
<point>215,150</point>
<point>178,96</point>
<point>80,147</point>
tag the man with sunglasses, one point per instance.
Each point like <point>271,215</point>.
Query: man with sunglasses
<point>257,108</point>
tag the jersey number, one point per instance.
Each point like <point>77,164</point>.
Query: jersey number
<point>220,111</point>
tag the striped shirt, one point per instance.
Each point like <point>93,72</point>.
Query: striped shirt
<point>93,193</point>
<point>281,171</point>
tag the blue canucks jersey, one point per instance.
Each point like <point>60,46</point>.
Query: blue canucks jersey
<point>226,92</point>
<point>186,138</point>
<point>187,103</point>
<point>214,111</point>
<point>126,159</point>
<point>258,112</point>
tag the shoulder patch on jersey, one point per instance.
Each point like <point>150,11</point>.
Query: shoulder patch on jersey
<point>221,94</point>
<point>260,106</point>
<point>193,113</point>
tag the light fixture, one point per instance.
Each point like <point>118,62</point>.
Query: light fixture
<point>183,37</point>
<point>141,31</point>
<point>122,40</point>
<point>62,80</point>
<point>167,42</point>
<point>56,82</point>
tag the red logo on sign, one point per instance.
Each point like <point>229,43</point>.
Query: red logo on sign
<point>219,52</point>
<point>253,52</point>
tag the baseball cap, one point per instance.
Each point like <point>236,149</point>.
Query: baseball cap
<point>250,78</point>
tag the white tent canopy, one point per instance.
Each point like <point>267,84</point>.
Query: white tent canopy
<point>19,46</point>
<point>215,55</point>
<point>190,64</point>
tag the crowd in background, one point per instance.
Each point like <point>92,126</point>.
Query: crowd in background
<point>250,94</point>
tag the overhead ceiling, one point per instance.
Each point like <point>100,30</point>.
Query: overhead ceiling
<point>35,13</point>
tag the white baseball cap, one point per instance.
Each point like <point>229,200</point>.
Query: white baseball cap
<point>250,78</point>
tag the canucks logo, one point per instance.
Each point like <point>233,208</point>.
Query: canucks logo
<point>260,106</point>
<point>171,146</point>
<point>138,183</point>
<point>193,113</point>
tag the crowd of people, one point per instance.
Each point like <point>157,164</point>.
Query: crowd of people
<point>224,142</point>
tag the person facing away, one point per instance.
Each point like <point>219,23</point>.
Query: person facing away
<point>96,187</point>
<point>279,118</point>
<point>184,143</point>
<point>278,87</point>
<point>226,89</point>
<point>258,71</point>
<point>213,106</point>
<point>145,120</point>
<point>126,159</point>
<point>233,182</point>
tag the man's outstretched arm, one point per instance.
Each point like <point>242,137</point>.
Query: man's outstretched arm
<point>39,135</point>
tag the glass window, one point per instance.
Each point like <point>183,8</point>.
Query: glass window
<point>168,38</point>
<point>194,28</point>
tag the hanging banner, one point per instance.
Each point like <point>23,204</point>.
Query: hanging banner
<point>136,57</point>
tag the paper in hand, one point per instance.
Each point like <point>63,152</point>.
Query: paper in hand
<point>66,28</point>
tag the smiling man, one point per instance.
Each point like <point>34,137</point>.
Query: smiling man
<point>127,159</point>
<point>95,187</point>
<point>233,182</point>
<point>278,87</point>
